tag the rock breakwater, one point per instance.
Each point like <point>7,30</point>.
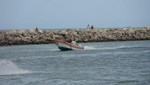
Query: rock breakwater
<point>22,37</point>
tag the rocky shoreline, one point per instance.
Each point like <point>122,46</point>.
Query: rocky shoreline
<point>36,36</point>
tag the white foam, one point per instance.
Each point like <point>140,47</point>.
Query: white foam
<point>8,68</point>
<point>106,48</point>
<point>89,48</point>
<point>100,48</point>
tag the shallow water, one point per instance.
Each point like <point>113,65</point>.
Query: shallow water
<point>103,63</point>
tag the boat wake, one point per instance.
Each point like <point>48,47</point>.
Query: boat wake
<point>111,48</point>
<point>100,48</point>
<point>9,68</point>
<point>89,48</point>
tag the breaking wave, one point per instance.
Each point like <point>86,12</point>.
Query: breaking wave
<point>9,68</point>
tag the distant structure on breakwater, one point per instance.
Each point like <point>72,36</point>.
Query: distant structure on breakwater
<point>37,36</point>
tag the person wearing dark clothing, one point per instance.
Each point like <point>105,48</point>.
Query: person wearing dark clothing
<point>92,27</point>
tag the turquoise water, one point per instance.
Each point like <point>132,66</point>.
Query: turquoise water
<point>103,63</point>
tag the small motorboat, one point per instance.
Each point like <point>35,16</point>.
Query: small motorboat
<point>66,46</point>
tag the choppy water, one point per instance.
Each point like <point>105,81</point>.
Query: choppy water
<point>103,63</point>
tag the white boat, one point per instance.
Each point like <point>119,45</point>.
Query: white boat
<point>66,46</point>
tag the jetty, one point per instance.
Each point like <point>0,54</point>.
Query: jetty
<point>38,36</point>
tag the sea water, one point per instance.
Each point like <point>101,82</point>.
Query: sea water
<point>102,63</point>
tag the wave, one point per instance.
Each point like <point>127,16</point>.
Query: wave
<point>9,68</point>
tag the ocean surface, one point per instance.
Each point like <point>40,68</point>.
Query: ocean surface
<point>102,63</point>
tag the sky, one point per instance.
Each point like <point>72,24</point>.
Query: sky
<point>48,14</point>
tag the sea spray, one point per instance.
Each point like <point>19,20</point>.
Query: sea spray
<point>8,68</point>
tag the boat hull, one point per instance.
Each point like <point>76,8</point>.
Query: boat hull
<point>64,48</point>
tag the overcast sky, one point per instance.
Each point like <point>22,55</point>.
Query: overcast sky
<point>73,13</point>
